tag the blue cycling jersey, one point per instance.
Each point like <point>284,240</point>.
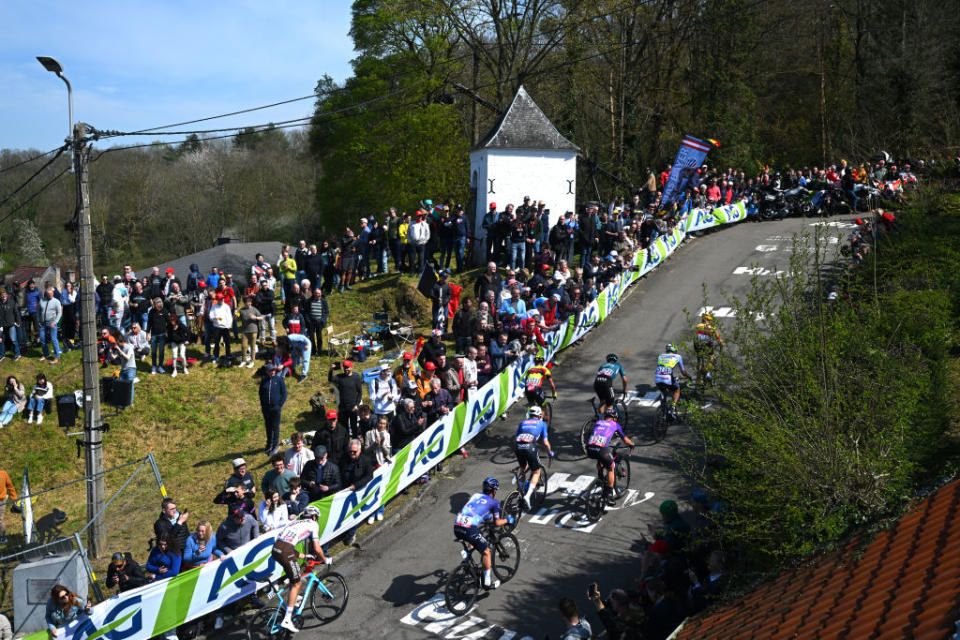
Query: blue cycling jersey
<point>611,370</point>
<point>666,368</point>
<point>531,429</point>
<point>480,507</point>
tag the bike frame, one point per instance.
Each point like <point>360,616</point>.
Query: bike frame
<point>312,582</point>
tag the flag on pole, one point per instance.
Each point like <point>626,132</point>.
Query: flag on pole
<point>691,155</point>
<point>26,505</point>
<point>455,290</point>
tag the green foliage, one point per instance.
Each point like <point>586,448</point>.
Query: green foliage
<point>830,414</point>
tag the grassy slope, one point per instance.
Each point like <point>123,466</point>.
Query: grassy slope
<point>194,424</point>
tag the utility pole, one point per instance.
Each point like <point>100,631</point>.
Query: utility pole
<point>92,426</point>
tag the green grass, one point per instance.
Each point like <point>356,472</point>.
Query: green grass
<point>193,424</point>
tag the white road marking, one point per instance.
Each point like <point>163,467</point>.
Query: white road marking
<point>839,225</point>
<point>649,399</point>
<point>718,312</point>
<point>766,248</point>
<point>759,271</point>
<point>432,616</point>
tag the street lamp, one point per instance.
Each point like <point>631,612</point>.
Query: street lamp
<point>53,66</point>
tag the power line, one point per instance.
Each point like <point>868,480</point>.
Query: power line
<point>225,115</point>
<point>34,195</point>
<point>28,160</point>
<point>36,173</point>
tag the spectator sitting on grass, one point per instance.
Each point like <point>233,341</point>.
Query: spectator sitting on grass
<point>200,546</point>
<point>15,400</point>
<point>165,559</point>
<point>40,397</point>
<point>124,572</point>
<point>282,359</point>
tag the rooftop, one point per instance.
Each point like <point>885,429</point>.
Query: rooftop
<point>904,583</point>
<point>524,126</point>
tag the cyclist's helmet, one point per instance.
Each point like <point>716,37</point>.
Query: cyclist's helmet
<point>490,485</point>
<point>672,348</point>
<point>311,512</point>
<point>707,317</point>
<point>612,357</point>
<point>535,412</point>
<point>538,359</point>
<point>610,412</point>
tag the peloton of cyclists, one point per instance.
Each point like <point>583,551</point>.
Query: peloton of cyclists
<point>603,382</point>
<point>284,552</point>
<point>533,379</point>
<point>531,429</point>
<point>707,338</point>
<point>666,376</point>
<point>598,448</point>
<point>480,508</point>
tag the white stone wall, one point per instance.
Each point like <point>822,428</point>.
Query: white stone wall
<point>543,175</point>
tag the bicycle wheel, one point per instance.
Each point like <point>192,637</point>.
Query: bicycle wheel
<point>585,432</point>
<point>461,589</point>
<point>506,557</point>
<point>540,492</point>
<point>265,624</point>
<point>512,506</point>
<point>621,477</point>
<point>593,501</point>
<point>660,424</point>
<point>623,414</point>
<point>547,412</point>
<point>327,607</point>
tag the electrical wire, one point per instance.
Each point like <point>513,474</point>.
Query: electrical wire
<point>36,173</point>
<point>33,195</point>
<point>28,160</point>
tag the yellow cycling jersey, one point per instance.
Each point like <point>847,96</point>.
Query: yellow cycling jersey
<point>536,375</point>
<point>707,334</point>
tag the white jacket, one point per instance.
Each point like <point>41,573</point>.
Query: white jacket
<point>221,316</point>
<point>418,233</point>
<point>384,394</point>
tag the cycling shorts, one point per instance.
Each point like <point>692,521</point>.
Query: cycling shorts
<point>471,535</point>
<point>603,387</point>
<point>528,456</point>
<point>668,388</point>
<point>603,456</point>
<point>535,396</point>
<point>287,556</point>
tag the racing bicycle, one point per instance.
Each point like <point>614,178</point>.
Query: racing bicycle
<point>707,365</point>
<point>622,417</point>
<point>544,404</point>
<point>593,497</point>
<point>464,583</point>
<point>513,506</point>
<point>327,596</point>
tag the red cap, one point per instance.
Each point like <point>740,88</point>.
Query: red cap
<point>429,366</point>
<point>348,363</point>
<point>493,205</point>
<point>201,284</point>
<point>331,414</point>
<point>219,296</point>
<point>659,546</point>
<point>169,270</point>
<point>407,355</point>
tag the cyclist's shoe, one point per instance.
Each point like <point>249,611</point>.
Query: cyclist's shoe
<point>526,503</point>
<point>289,625</point>
<point>610,499</point>
<point>494,584</point>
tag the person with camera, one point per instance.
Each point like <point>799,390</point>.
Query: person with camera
<point>124,572</point>
<point>122,351</point>
<point>349,387</point>
<point>15,400</point>
<point>63,607</point>
<point>171,522</point>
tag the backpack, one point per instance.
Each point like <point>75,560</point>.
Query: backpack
<point>318,403</point>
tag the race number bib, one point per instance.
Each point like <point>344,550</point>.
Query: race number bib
<point>525,438</point>
<point>597,440</point>
<point>532,386</point>
<point>464,520</point>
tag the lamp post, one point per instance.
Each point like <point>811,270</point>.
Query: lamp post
<point>92,428</point>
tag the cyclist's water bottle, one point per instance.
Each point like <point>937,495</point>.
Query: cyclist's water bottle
<point>299,600</point>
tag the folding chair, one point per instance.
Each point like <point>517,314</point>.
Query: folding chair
<point>404,335</point>
<point>378,328</point>
<point>339,343</point>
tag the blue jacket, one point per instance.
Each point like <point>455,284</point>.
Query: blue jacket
<point>273,392</point>
<point>191,552</point>
<point>167,559</point>
<point>32,299</point>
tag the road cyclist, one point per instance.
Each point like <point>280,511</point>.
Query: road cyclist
<point>284,552</point>
<point>531,429</point>
<point>481,507</point>
<point>706,340</point>
<point>598,448</point>
<point>604,380</point>
<point>666,379</point>
<point>534,378</point>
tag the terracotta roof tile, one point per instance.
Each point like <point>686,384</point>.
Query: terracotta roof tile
<point>904,584</point>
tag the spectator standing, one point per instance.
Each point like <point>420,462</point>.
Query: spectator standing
<point>492,232</point>
<point>31,303</point>
<point>157,323</point>
<point>68,301</point>
<point>200,546</point>
<point>278,477</point>
<point>63,607</point>
<point>7,493</point>
<point>296,499</point>
<point>407,424</point>
<point>332,437</point>
<point>177,302</point>
<point>349,388</point>
<point>384,392</point>
<point>221,319</point>
<point>123,353</point>
<point>466,324</point>
<point>376,443</point>
<point>178,336</point>
<point>15,400</point>
<point>577,628</point>
<point>418,234</point>
<point>288,272</point>
<point>49,312</point>
<point>313,266</point>
<point>124,572</point>
<point>356,470</point>
<point>41,395</point>
<point>9,324</point>
<point>317,311</point>
<point>297,456</point>
<point>320,477</point>
<point>273,395</point>
<point>249,320</point>
<point>265,305</point>
<point>171,522</point>
<point>241,485</point>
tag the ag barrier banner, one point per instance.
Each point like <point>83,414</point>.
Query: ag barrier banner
<point>707,218</point>
<point>153,609</point>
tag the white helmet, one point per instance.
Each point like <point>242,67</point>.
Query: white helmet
<point>311,512</point>
<point>535,412</point>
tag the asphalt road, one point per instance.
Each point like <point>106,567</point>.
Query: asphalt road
<point>396,578</point>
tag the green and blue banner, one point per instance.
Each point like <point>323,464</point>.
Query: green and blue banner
<point>153,609</point>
